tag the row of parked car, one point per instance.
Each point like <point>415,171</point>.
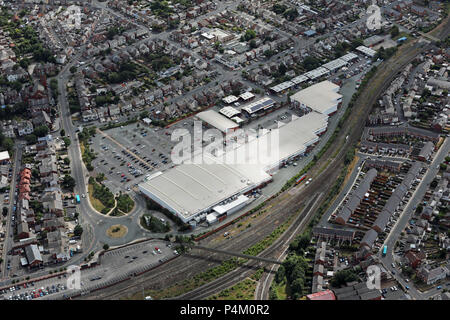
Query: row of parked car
<point>35,293</point>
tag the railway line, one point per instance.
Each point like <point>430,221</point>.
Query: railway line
<point>280,208</point>
<point>239,274</point>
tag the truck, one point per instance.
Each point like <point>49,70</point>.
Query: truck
<point>384,251</point>
<point>77,198</point>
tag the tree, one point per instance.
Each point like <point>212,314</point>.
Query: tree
<point>73,69</point>
<point>443,166</point>
<point>395,31</point>
<point>105,246</point>
<point>67,141</point>
<point>66,161</point>
<point>68,182</point>
<point>78,230</point>
<point>62,132</point>
<point>291,14</point>
<point>5,211</point>
<point>342,277</point>
<point>41,131</point>
<point>31,138</point>
<point>249,35</point>
<point>279,276</point>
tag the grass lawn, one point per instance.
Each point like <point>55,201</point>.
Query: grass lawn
<point>125,203</point>
<point>281,291</point>
<point>95,202</point>
<point>117,231</point>
<point>196,281</point>
<point>244,290</point>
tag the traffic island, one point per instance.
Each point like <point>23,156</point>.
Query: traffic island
<point>117,231</point>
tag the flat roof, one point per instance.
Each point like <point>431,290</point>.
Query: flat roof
<point>229,206</point>
<point>349,57</point>
<point>229,112</point>
<point>299,79</point>
<point>237,120</point>
<point>189,189</point>
<point>247,95</point>
<point>316,73</point>
<point>260,104</point>
<point>292,138</point>
<point>4,155</point>
<point>335,64</point>
<point>230,99</point>
<point>319,97</point>
<point>366,51</point>
<point>216,120</point>
<point>282,86</point>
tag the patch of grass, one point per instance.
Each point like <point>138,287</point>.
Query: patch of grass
<point>244,290</point>
<point>124,203</point>
<point>101,193</point>
<point>197,280</point>
<point>117,231</point>
<point>96,203</point>
<point>267,241</point>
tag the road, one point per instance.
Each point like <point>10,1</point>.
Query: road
<point>406,216</point>
<point>90,219</point>
<point>9,234</point>
<point>263,287</point>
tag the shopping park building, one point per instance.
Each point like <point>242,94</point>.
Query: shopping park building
<point>218,187</point>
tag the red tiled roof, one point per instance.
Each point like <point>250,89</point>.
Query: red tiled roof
<point>322,295</point>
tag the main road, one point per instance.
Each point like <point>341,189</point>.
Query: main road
<point>7,245</point>
<point>406,216</point>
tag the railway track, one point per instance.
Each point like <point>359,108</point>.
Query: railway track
<point>189,265</point>
<point>239,274</point>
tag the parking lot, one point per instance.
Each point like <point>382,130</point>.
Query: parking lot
<point>115,265</point>
<point>129,153</point>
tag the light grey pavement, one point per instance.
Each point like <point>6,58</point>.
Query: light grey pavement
<point>116,265</point>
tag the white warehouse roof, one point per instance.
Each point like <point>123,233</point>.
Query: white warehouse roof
<point>247,95</point>
<point>349,57</point>
<point>216,120</point>
<point>367,51</point>
<point>293,139</point>
<point>316,73</point>
<point>230,99</point>
<point>321,97</point>
<point>4,155</point>
<point>335,64</point>
<point>189,189</point>
<point>229,112</point>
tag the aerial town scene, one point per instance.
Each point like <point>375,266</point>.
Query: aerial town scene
<point>224,150</point>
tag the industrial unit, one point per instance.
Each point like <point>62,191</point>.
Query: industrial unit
<point>217,121</point>
<point>322,97</point>
<point>191,191</point>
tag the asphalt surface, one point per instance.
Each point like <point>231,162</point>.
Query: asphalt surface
<point>406,216</point>
<point>89,216</point>
<point>9,234</point>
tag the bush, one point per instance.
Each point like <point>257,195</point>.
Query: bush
<point>155,225</point>
<point>124,203</point>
